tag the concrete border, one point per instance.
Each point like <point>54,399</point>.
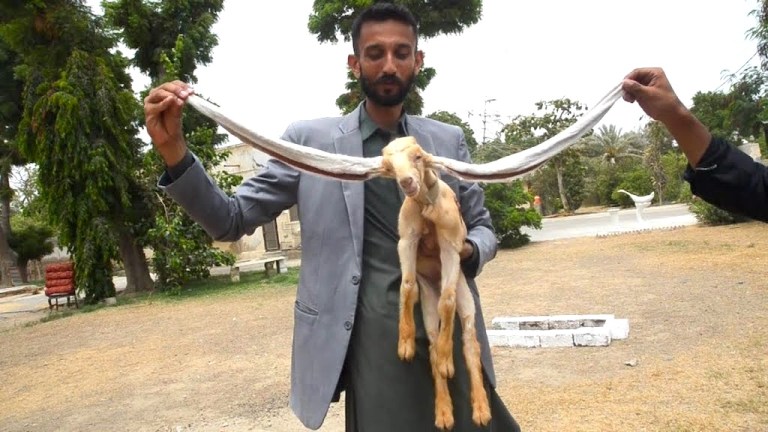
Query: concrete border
<point>557,331</point>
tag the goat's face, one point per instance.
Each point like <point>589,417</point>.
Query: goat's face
<point>405,161</point>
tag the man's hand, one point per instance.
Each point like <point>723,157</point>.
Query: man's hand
<point>653,92</point>
<point>431,250</point>
<point>466,251</point>
<point>162,110</point>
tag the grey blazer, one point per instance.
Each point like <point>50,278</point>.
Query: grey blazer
<point>331,214</point>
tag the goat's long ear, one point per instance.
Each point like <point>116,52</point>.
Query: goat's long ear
<point>342,167</point>
<point>516,165</point>
<point>352,168</point>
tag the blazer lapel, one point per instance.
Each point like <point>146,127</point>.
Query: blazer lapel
<point>350,142</point>
<point>423,138</point>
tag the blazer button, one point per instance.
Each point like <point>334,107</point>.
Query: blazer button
<point>348,325</point>
<point>356,280</point>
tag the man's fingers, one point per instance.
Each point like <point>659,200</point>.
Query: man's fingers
<point>157,104</point>
<point>176,88</point>
<point>632,89</point>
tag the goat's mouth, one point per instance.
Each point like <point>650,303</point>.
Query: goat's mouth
<point>411,191</point>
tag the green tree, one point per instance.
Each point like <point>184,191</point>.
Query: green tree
<point>10,116</point>
<point>31,240</point>
<point>331,19</point>
<point>170,45</point>
<point>711,108</point>
<point>453,119</point>
<point>741,113</point>
<point>759,32</point>
<point>78,125</point>
<point>659,142</point>
<point>505,204</point>
<point>552,118</point>
<point>610,145</point>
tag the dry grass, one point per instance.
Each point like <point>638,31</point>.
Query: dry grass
<point>696,299</point>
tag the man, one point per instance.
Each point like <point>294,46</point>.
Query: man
<point>718,173</point>
<point>346,313</point>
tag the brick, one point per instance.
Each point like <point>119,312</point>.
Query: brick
<point>556,338</point>
<point>592,336</point>
<point>525,339</point>
<point>619,328</point>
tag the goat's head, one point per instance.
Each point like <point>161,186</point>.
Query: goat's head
<point>405,161</point>
<point>353,168</point>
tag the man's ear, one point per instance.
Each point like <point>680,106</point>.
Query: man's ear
<point>354,65</point>
<point>419,61</point>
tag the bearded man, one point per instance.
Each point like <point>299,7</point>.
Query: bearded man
<point>346,311</point>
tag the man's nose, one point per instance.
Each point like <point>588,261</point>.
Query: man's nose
<point>389,65</point>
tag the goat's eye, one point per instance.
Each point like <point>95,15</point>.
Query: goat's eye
<point>417,158</point>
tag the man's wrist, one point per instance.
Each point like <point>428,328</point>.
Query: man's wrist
<point>178,169</point>
<point>467,250</point>
<point>173,154</point>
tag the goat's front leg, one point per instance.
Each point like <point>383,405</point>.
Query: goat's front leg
<point>449,257</point>
<point>410,228</point>
<point>443,403</point>
<point>465,305</point>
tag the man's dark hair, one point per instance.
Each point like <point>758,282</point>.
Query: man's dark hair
<point>383,12</point>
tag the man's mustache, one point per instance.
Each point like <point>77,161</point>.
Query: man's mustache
<point>389,79</point>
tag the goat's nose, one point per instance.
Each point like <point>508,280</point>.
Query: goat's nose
<point>406,182</point>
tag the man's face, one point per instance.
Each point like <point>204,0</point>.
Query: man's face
<point>387,61</point>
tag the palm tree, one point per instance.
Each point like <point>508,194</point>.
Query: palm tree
<point>610,145</point>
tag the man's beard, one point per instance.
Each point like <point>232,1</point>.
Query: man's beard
<point>388,100</point>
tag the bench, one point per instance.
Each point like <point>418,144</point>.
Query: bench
<point>272,265</point>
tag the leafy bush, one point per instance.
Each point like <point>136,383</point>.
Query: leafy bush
<point>31,240</point>
<point>708,214</point>
<point>674,167</point>
<point>638,182</point>
<point>504,204</point>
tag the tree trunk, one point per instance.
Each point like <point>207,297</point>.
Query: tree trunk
<point>7,255</point>
<point>5,201</point>
<point>23,271</point>
<point>135,263</point>
<point>561,188</point>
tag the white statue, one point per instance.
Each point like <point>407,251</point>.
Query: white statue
<point>641,202</point>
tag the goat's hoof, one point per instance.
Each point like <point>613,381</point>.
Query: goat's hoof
<point>444,418</point>
<point>481,413</point>
<point>406,348</point>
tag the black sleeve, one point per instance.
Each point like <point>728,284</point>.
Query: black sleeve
<point>730,179</point>
<point>180,168</point>
<point>470,265</point>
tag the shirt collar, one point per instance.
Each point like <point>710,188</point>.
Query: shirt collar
<point>368,127</point>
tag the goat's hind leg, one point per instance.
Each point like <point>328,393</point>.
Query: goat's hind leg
<point>481,411</point>
<point>443,403</point>
<point>451,268</point>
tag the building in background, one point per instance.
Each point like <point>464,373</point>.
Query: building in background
<point>282,235</point>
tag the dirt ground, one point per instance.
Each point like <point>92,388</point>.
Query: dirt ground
<point>696,300</point>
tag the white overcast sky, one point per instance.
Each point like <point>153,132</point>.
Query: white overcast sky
<point>269,70</point>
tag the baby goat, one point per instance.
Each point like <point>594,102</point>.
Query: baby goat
<point>430,214</point>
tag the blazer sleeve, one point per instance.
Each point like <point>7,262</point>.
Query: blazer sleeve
<point>728,178</point>
<point>255,202</point>
<point>477,218</point>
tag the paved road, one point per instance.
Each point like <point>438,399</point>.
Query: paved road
<point>588,225</point>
